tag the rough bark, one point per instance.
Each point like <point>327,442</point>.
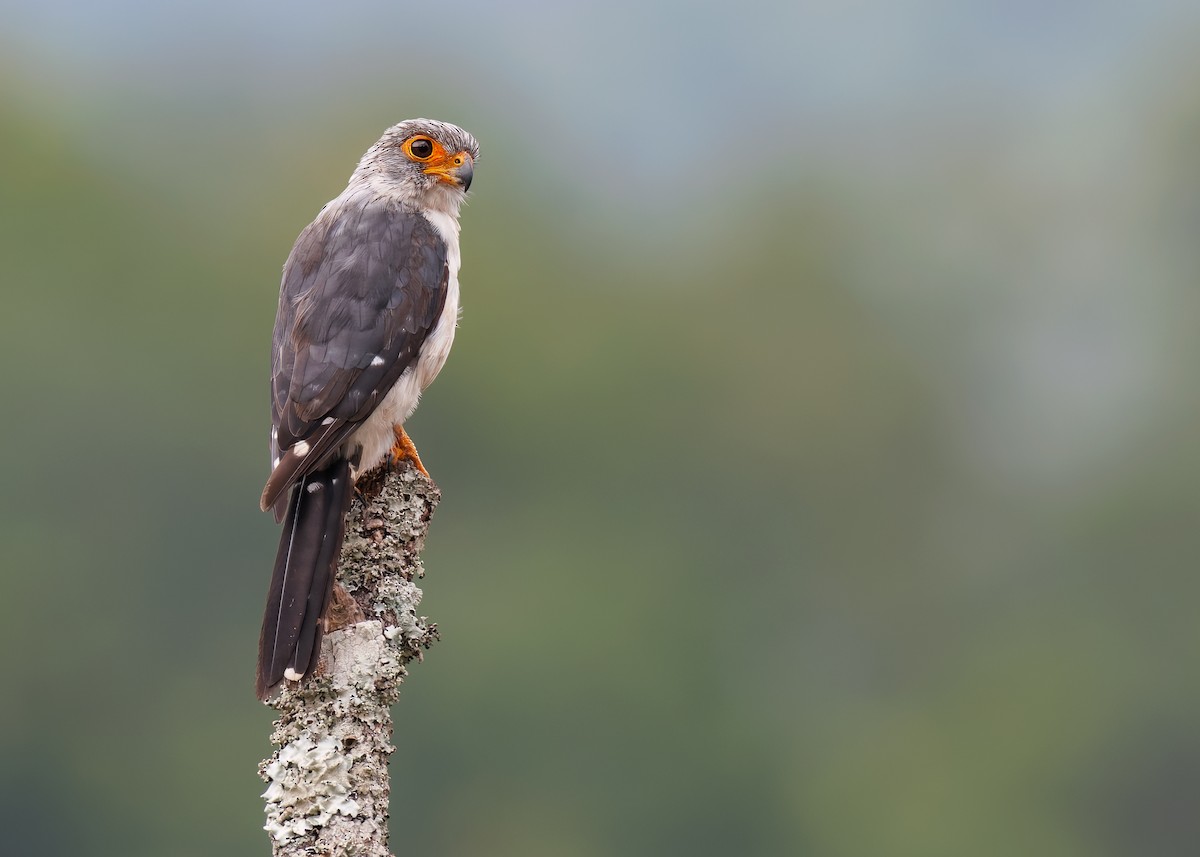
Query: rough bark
<point>328,785</point>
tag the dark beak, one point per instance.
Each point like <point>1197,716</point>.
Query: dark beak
<point>457,169</point>
<point>465,173</point>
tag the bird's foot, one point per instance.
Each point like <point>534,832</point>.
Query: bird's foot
<point>404,450</point>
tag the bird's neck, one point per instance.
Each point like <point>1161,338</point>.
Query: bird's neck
<point>441,198</point>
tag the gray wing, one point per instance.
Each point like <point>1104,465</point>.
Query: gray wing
<point>364,285</point>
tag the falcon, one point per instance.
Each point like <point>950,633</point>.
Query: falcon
<point>367,310</point>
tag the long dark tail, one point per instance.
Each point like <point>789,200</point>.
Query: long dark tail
<point>303,578</point>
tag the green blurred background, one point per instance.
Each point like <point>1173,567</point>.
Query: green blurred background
<point>818,450</point>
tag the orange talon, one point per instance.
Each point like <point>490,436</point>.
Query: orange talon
<point>404,450</point>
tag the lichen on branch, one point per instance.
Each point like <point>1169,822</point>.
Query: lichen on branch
<point>327,784</point>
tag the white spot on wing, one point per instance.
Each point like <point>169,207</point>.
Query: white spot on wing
<point>376,360</point>
<point>327,421</point>
<point>301,448</point>
<point>313,487</point>
<point>291,675</point>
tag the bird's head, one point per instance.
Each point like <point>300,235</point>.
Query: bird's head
<point>424,162</point>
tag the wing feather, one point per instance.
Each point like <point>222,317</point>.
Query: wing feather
<point>364,285</point>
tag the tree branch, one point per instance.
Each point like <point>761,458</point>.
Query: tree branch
<point>328,785</point>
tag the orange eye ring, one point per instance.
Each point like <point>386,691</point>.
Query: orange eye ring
<point>420,148</point>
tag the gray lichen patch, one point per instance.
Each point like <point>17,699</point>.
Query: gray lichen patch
<point>384,538</point>
<point>308,784</point>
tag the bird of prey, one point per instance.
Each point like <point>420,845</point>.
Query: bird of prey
<point>367,311</point>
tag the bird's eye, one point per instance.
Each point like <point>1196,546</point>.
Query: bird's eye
<point>421,148</point>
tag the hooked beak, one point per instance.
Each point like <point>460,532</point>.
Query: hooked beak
<point>457,169</point>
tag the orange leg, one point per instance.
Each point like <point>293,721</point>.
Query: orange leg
<point>404,450</point>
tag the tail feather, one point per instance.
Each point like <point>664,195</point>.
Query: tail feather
<point>308,645</point>
<point>290,644</point>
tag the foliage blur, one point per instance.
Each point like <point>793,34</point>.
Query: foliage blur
<point>818,449</point>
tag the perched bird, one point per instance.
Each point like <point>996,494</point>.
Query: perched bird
<point>367,311</point>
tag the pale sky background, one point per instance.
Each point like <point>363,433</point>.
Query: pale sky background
<point>957,121</point>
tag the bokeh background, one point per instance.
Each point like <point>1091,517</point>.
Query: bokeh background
<point>819,447</point>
